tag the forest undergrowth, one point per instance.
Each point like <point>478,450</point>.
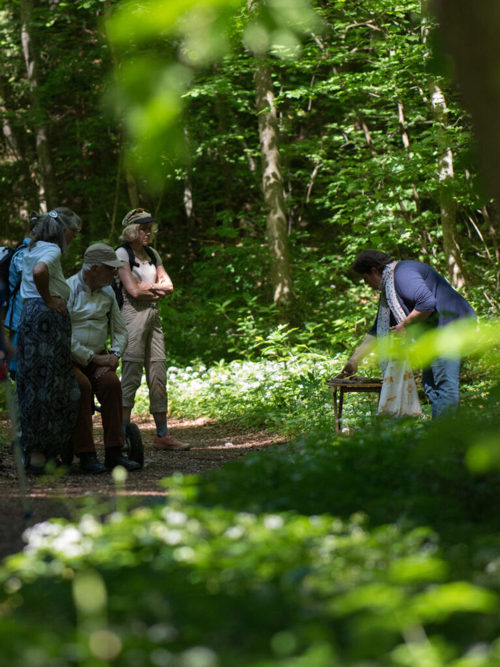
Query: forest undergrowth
<point>377,548</point>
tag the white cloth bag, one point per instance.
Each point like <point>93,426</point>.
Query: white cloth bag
<point>399,395</point>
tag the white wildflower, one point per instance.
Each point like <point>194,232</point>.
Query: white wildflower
<point>234,532</point>
<point>174,517</point>
<point>184,554</point>
<point>273,522</point>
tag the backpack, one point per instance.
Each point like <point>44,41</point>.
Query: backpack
<point>6,295</point>
<point>117,284</point>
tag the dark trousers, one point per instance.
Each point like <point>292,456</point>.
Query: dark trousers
<point>108,391</point>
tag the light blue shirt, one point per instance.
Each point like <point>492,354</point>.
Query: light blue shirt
<point>50,255</point>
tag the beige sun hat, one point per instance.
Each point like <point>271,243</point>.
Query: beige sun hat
<point>137,216</point>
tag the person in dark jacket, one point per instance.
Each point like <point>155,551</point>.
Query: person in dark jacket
<point>424,296</point>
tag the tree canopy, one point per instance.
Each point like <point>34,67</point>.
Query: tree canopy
<point>106,106</point>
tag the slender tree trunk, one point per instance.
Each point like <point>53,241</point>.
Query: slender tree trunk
<point>405,139</point>
<point>446,177</point>
<point>132,189</point>
<point>272,184</point>
<point>446,196</point>
<point>48,195</point>
<point>187,196</point>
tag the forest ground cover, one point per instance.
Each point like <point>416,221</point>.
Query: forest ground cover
<point>213,444</point>
<point>380,548</point>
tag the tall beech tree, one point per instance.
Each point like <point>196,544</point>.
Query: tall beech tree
<point>272,186</point>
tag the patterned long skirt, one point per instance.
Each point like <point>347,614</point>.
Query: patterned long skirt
<point>47,390</point>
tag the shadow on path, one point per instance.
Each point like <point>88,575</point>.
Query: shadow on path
<point>212,445</point>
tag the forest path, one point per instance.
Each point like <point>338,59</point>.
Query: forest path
<point>212,445</point>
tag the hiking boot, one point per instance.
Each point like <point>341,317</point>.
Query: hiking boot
<point>169,443</point>
<point>90,465</point>
<point>115,458</point>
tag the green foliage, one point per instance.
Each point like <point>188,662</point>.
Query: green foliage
<point>287,395</point>
<point>325,551</point>
<point>379,549</point>
<point>201,32</point>
<point>390,469</point>
<point>349,180</point>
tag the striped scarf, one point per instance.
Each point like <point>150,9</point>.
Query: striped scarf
<point>399,396</point>
<point>388,302</point>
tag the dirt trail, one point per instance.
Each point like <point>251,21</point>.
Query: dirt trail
<point>212,445</point>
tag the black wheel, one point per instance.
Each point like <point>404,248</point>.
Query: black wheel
<point>133,444</point>
<point>67,454</point>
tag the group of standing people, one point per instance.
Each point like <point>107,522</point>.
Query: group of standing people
<point>60,329</point>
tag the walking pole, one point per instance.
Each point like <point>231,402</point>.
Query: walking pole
<point>16,444</point>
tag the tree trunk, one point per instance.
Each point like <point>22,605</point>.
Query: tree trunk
<point>48,194</point>
<point>132,189</point>
<point>272,184</point>
<point>446,195</point>
<point>470,31</point>
<point>447,204</point>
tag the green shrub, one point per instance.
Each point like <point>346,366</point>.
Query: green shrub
<point>184,585</point>
<point>285,392</point>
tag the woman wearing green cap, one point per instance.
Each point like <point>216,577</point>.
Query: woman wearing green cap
<point>145,282</point>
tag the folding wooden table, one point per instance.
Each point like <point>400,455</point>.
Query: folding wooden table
<point>350,384</point>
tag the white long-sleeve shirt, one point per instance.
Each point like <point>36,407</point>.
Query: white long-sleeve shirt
<point>94,314</point>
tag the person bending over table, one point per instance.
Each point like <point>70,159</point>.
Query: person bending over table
<point>413,292</point>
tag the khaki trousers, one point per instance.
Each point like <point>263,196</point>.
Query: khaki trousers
<point>145,350</point>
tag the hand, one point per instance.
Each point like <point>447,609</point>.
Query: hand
<point>162,288</point>
<point>114,361</point>
<point>349,369</point>
<point>56,303</point>
<point>399,328</point>
<point>106,361</point>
